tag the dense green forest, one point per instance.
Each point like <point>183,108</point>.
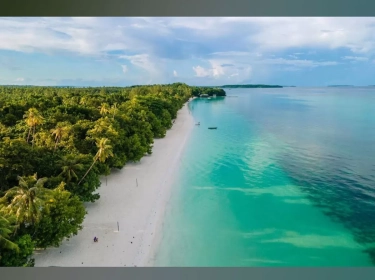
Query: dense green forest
<point>251,86</point>
<point>197,91</point>
<point>55,144</point>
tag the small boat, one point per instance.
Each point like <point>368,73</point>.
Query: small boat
<point>212,127</point>
<point>198,123</point>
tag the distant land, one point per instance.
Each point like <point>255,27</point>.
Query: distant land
<point>251,86</point>
<point>134,86</point>
<point>341,86</point>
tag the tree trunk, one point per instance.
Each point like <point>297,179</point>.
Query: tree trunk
<point>87,171</point>
<point>33,136</point>
<point>56,143</point>
<point>28,135</point>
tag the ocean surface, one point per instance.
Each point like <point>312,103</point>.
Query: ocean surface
<point>287,179</point>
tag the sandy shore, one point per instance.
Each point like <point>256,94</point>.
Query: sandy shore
<point>134,199</point>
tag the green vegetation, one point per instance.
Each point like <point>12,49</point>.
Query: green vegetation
<point>251,86</point>
<point>197,91</point>
<point>55,143</point>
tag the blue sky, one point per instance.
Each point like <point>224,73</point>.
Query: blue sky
<point>198,51</point>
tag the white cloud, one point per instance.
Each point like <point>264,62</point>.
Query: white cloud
<point>141,60</point>
<point>298,62</point>
<point>151,44</point>
<point>356,34</point>
<point>195,24</point>
<point>124,68</point>
<point>153,66</point>
<point>224,69</point>
<point>215,71</point>
<point>232,53</point>
<point>244,59</point>
<point>201,72</point>
<point>84,36</point>
<point>20,79</point>
<point>96,35</point>
<point>355,58</point>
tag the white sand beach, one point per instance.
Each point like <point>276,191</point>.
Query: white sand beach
<point>138,210</point>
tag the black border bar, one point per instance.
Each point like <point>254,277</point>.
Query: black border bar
<point>345,8</point>
<point>57,273</point>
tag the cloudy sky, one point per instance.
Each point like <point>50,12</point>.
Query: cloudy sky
<point>197,51</point>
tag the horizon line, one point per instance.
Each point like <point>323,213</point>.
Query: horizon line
<point>107,86</point>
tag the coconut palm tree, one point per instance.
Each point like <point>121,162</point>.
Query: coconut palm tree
<point>114,110</point>
<point>104,109</point>
<point>104,152</point>
<point>101,125</point>
<point>7,227</point>
<point>103,128</point>
<point>27,199</point>
<point>70,164</point>
<point>29,121</point>
<point>32,118</point>
<point>83,100</point>
<point>58,133</point>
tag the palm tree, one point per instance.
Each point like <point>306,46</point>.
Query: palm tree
<point>114,110</point>
<point>104,152</point>
<point>29,121</point>
<point>70,164</point>
<point>32,118</point>
<point>102,128</point>
<point>7,227</point>
<point>104,109</point>
<point>83,101</point>
<point>27,199</point>
<point>101,125</point>
<point>58,132</point>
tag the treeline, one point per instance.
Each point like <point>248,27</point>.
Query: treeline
<point>55,143</point>
<point>197,91</point>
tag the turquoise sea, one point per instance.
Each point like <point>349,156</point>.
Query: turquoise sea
<point>287,179</point>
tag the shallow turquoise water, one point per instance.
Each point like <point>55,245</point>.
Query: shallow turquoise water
<point>287,179</point>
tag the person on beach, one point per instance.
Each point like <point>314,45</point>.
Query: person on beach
<point>95,239</point>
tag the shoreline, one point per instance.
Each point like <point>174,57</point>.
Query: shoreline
<point>154,240</point>
<point>133,199</point>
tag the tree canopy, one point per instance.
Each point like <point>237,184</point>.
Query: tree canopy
<point>56,142</point>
